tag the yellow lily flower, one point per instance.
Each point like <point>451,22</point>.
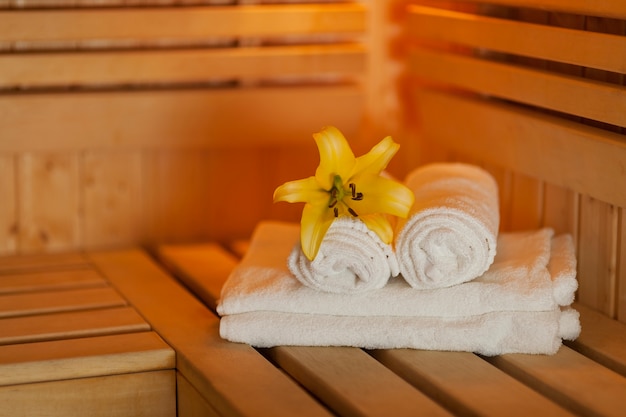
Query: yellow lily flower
<point>345,185</point>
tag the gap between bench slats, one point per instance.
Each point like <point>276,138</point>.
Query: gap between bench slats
<point>595,50</point>
<point>202,357</point>
<point>180,22</point>
<point>462,381</point>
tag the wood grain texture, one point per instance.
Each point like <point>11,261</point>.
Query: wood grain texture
<point>143,394</point>
<point>49,202</point>
<point>177,66</point>
<point>68,325</point>
<point>8,208</point>
<point>203,357</point>
<point>607,8</point>
<point>595,50</point>
<point>170,119</point>
<point>181,22</point>
<point>84,357</point>
<point>50,280</point>
<point>112,187</point>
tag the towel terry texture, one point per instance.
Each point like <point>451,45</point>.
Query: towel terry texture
<point>449,236</point>
<point>521,304</point>
<point>351,259</point>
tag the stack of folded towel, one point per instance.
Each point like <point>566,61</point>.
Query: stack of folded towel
<point>444,287</point>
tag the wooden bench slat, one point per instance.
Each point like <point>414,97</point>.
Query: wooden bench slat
<point>582,158</point>
<point>595,50</point>
<point>38,262</point>
<point>71,324</point>
<point>146,393</point>
<point>48,280</point>
<point>347,379</point>
<point>180,22</point>
<point>15,305</point>
<point>607,8</point>
<point>175,118</point>
<point>601,339</point>
<point>586,98</point>
<point>202,356</point>
<point>467,384</point>
<point>84,357</point>
<point>573,380</point>
<point>148,67</point>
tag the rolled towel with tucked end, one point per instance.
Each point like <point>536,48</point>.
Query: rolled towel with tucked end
<point>450,234</point>
<point>351,259</point>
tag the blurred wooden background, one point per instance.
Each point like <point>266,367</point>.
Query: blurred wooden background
<point>145,122</point>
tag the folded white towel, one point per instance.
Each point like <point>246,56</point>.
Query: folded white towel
<point>513,307</point>
<point>351,259</point>
<point>449,236</point>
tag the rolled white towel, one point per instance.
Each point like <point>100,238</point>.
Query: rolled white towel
<point>450,234</point>
<point>351,259</point>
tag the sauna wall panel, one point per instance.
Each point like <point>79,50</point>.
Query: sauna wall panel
<point>8,205</point>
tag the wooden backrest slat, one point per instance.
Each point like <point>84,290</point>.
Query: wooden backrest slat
<point>586,98</point>
<point>605,8</point>
<point>179,22</point>
<point>177,118</point>
<point>176,66</point>
<point>595,50</point>
<point>585,159</point>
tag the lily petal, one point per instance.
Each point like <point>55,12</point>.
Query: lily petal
<point>377,158</point>
<point>306,190</point>
<point>336,156</point>
<point>383,195</point>
<point>316,219</point>
<point>380,225</point>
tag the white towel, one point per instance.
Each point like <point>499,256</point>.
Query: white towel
<point>449,236</point>
<point>511,308</point>
<point>351,259</point>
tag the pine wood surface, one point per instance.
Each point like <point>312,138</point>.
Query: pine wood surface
<point>70,344</point>
<point>465,384</point>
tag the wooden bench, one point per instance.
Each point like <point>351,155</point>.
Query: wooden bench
<point>586,377</point>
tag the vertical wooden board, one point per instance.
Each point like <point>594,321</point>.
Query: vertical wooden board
<point>179,200</point>
<point>49,206</point>
<point>560,209</point>
<point>621,266</point>
<point>190,402</point>
<point>597,255</point>
<point>526,202</point>
<point>137,394</point>
<point>112,186</point>
<point>8,205</point>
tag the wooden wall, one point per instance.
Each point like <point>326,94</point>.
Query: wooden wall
<point>173,121</point>
<point>534,92</point>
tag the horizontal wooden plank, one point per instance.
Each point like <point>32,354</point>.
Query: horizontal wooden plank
<point>128,395</point>
<point>24,304</point>
<point>70,325</point>
<point>352,383</point>
<point>581,158</point>
<point>171,66</point>
<point>50,280</point>
<point>44,261</point>
<point>202,357</point>
<point>467,384</point>
<point>601,339</point>
<point>84,357</point>
<point>595,50</point>
<point>605,8</point>
<point>180,22</point>
<point>575,381</point>
<point>176,118</point>
<point>567,94</point>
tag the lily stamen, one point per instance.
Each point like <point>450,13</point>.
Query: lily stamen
<point>352,212</point>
